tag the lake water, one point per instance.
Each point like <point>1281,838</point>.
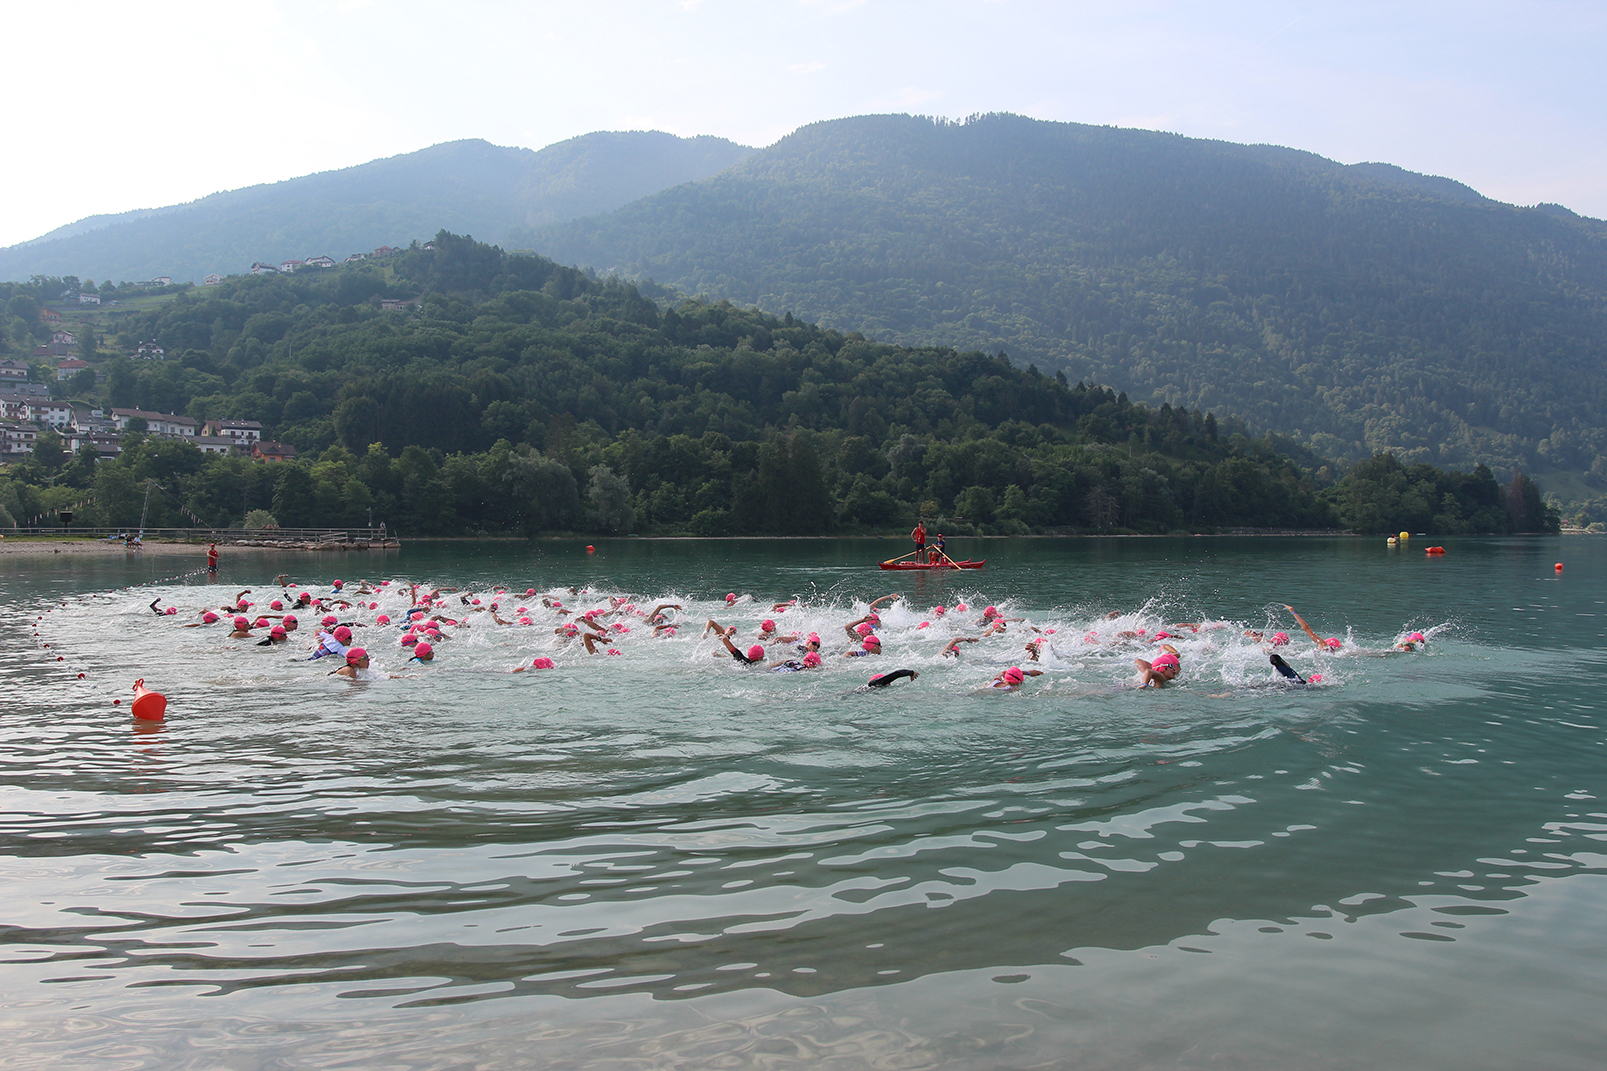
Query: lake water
<point>664,859</point>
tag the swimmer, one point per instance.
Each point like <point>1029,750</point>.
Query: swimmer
<point>883,680</point>
<point>276,635</point>
<point>872,645</point>
<point>754,655</point>
<point>810,645</point>
<point>793,665</point>
<point>953,649</point>
<point>537,663</point>
<point>1034,649</point>
<point>207,618</point>
<point>155,609</point>
<point>1012,678</point>
<point>356,663</point>
<point>657,616</point>
<point>242,628</point>
<point>1412,642</point>
<point>1165,667</point>
<point>1330,644</point>
<point>422,652</point>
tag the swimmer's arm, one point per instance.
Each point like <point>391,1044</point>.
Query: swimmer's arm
<point>849,628</point>
<point>779,607</point>
<point>1314,637</point>
<point>661,607</point>
<point>590,641</point>
<point>495,617</point>
<point>884,598</point>
<point>660,628</point>
<point>154,601</point>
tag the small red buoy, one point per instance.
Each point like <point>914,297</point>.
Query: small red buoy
<point>117,702</point>
<point>1558,567</point>
<point>80,676</point>
<point>148,705</point>
<point>61,658</point>
<point>590,549</point>
<point>1435,550</point>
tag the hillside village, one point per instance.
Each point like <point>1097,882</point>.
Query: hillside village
<point>28,410</point>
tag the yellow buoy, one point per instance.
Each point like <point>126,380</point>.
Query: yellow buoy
<point>1406,535</point>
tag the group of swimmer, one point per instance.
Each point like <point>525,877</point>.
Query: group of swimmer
<point>425,624</point>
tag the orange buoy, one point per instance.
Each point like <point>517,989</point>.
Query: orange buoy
<point>148,705</point>
<point>590,549</point>
<point>1435,550</point>
<point>1558,567</point>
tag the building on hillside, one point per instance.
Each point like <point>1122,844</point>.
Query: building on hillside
<point>272,451</point>
<point>386,251</point>
<point>49,316</point>
<point>86,298</point>
<point>429,246</point>
<point>161,425</point>
<point>46,413</point>
<point>104,442</point>
<point>354,258</point>
<point>17,438</point>
<point>160,280</point>
<point>258,268</point>
<point>65,370</point>
<point>14,370</point>
<point>217,444</point>
<point>92,420</point>
<point>149,351</point>
<point>212,280</point>
<point>15,398</point>
<point>288,266</point>
<point>320,261</point>
<point>64,337</point>
<point>394,304</point>
<point>244,432</point>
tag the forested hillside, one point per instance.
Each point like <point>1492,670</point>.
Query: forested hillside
<point>467,186</point>
<point>1353,308</point>
<point>518,395</point>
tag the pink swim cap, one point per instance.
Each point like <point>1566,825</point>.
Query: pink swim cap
<point>276,605</point>
<point>960,606</point>
<point>1166,658</point>
<point>1014,675</point>
<point>730,596</point>
<point>613,651</point>
<point>277,632</point>
<point>171,610</point>
<point>871,641</point>
<point>923,624</point>
<point>1279,639</point>
<point>288,619</point>
<point>767,625</point>
<point>541,663</point>
<point>524,621</point>
<point>939,611</point>
<point>814,637</point>
<point>863,628</point>
<point>755,652</point>
<point>328,619</point>
<point>873,618</point>
<point>355,655</point>
<point>383,619</point>
<point>1315,678</point>
<point>811,660</point>
<point>414,615</point>
<point>343,634</point>
<point>241,622</point>
<point>477,602</point>
<point>992,611</point>
<point>337,584</point>
<point>532,591</point>
<point>1332,643</point>
<point>373,606</point>
<point>409,640</point>
<point>261,622</point>
<point>1162,635</point>
<point>420,650</point>
<point>1416,637</point>
<point>209,617</point>
<point>570,628</point>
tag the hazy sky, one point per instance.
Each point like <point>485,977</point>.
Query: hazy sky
<point>121,106</point>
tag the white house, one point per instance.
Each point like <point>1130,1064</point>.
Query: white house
<point>13,370</point>
<point>149,351</point>
<point>17,438</point>
<point>258,268</point>
<point>212,280</point>
<point>290,265</point>
<point>54,414</point>
<point>354,258</point>
<point>69,368</point>
<point>244,432</point>
<point>65,338</point>
<point>320,261</point>
<point>87,298</point>
<point>163,425</point>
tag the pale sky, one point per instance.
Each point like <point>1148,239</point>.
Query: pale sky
<point>122,106</point>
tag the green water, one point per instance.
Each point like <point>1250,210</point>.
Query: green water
<point>666,859</point>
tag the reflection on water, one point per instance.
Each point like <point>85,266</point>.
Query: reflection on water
<point>663,857</point>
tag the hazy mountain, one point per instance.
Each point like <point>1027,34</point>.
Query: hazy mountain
<point>1356,307</point>
<point>466,186</point>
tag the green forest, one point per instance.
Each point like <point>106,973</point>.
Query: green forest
<point>515,395</point>
<point>1356,309</point>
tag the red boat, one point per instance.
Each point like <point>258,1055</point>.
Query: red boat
<point>948,564</point>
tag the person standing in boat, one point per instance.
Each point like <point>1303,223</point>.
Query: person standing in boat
<point>919,536</point>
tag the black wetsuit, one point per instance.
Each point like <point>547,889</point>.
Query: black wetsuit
<point>1286,669</point>
<point>888,678</point>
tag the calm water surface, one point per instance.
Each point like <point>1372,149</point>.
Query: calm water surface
<point>664,859</point>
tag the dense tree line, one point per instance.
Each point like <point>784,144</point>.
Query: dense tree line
<point>521,396</point>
